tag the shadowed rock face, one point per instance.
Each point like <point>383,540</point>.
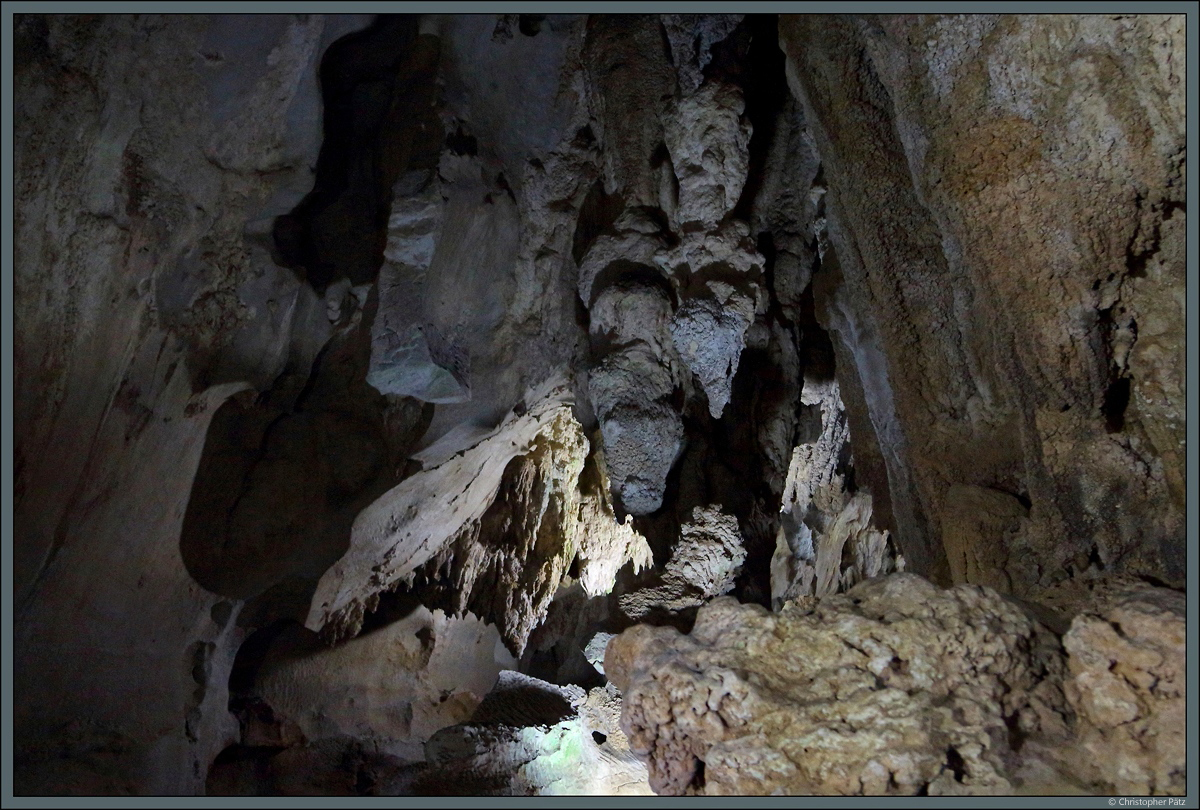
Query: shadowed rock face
<point>408,397</point>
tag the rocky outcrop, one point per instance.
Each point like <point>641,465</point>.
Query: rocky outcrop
<point>898,687</point>
<point>1127,688</point>
<point>894,687</point>
<point>393,688</point>
<point>704,564</point>
<point>850,550</point>
<point>827,538</point>
<point>501,523</point>
<point>632,386</point>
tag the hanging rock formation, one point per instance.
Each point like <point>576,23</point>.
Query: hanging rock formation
<point>701,403</point>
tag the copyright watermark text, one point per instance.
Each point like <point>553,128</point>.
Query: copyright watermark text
<point>1147,802</point>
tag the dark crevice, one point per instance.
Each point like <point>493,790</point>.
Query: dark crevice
<point>1116,400</point>
<point>583,316</point>
<point>816,347</point>
<point>666,42</point>
<point>761,74</point>
<point>249,660</point>
<point>462,143</point>
<point>584,137</point>
<point>31,40</point>
<point>323,436</point>
<point>955,763</point>
<point>723,455</point>
<point>253,761</point>
<point>502,184</point>
<point>845,468</point>
<point>596,217</point>
<point>629,275</point>
<point>760,390</point>
<point>1143,247</point>
<point>659,156</point>
<point>378,90</point>
<point>391,607</point>
<point>530,24</point>
<point>1156,582</point>
<point>364,782</point>
<point>1114,326</point>
<point>1016,737</point>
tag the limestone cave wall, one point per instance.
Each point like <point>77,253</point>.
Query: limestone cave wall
<point>446,404</point>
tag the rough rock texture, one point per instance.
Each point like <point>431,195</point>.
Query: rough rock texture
<point>900,688</point>
<point>501,523</point>
<point>1127,667</point>
<point>849,551</point>
<point>632,387</point>
<point>670,243</point>
<point>981,527</point>
<point>1011,266</point>
<point>692,37</point>
<point>821,517</point>
<point>708,137</point>
<point>703,566</point>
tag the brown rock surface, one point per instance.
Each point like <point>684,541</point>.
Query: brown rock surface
<point>1127,669</point>
<point>1011,265</point>
<point>893,687</point>
<point>898,687</point>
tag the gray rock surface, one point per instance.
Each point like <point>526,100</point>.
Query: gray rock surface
<point>146,296</point>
